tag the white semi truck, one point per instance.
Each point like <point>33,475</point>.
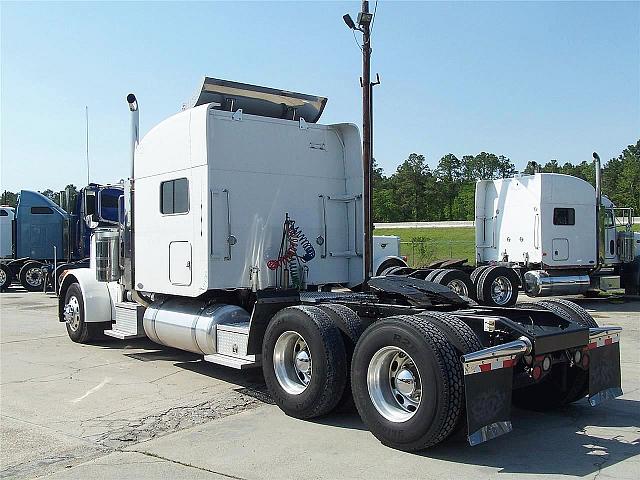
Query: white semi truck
<point>552,234</point>
<point>544,234</point>
<point>242,241</point>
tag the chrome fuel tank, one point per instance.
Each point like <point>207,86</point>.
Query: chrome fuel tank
<point>190,324</point>
<point>538,283</point>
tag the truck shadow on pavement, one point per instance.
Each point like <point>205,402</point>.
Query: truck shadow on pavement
<point>577,440</point>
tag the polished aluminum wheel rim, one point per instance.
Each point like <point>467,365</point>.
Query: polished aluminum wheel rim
<point>501,290</point>
<point>459,287</point>
<point>72,313</point>
<point>3,277</point>
<point>394,384</point>
<point>33,276</point>
<point>292,362</point>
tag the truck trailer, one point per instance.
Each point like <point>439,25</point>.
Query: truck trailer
<point>242,241</point>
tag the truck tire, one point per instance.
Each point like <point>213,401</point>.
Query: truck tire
<point>463,339</point>
<point>387,264</point>
<point>476,273</point>
<point>421,273</point>
<point>458,281</point>
<point>497,287</point>
<point>6,277</point>
<point>78,330</point>
<point>304,361</point>
<point>31,276</point>
<point>554,390</point>
<point>433,274</point>
<point>401,415</point>
<point>351,326</point>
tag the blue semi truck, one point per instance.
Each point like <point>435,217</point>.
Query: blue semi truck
<point>42,235</point>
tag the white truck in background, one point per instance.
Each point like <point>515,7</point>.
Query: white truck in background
<point>552,234</point>
<point>544,234</point>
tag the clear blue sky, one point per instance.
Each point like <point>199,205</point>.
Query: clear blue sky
<point>532,81</point>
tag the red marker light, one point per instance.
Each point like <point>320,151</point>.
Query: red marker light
<point>537,372</point>
<point>585,361</point>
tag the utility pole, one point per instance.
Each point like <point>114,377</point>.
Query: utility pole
<point>364,26</point>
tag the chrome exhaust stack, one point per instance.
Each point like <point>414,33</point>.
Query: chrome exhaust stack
<point>599,213</point>
<point>127,229</point>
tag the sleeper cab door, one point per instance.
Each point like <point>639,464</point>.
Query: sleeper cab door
<point>564,221</point>
<point>174,204</point>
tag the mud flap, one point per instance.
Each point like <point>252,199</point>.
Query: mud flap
<point>604,367</point>
<point>488,387</point>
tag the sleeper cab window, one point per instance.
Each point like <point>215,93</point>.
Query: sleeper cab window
<point>564,216</point>
<point>174,196</point>
<point>41,211</point>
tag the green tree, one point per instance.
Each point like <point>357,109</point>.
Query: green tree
<point>9,198</point>
<point>531,168</point>
<point>449,174</point>
<point>413,185</point>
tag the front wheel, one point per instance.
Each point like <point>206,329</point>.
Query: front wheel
<point>79,331</point>
<point>31,276</point>
<point>407,383</point>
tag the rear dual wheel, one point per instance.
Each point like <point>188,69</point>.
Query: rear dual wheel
<point>497,286</point>
<point>31,276</point>
<point>304,361</point>
<point>407,382</point>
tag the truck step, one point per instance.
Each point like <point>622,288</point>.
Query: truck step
<point>123,335</point>
<point>249,361</point>
<point>129,317</point>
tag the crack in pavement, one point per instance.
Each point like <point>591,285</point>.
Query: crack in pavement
<point>173,419</point>
<point>121,433</point>
<point>184,464</point>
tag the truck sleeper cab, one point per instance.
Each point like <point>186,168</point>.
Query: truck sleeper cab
<point>242,241</point>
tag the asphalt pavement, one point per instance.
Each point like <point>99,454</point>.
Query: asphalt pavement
<point>135,409</point>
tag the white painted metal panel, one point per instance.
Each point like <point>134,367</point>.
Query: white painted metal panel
<point>245,173</point>
<point>180,263</point>
<point>514,218</point>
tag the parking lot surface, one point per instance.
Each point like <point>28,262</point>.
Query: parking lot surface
<point>136,409</point>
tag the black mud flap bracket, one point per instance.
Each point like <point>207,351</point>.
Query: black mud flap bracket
<point>488,380</point>
<point>602,356</point>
